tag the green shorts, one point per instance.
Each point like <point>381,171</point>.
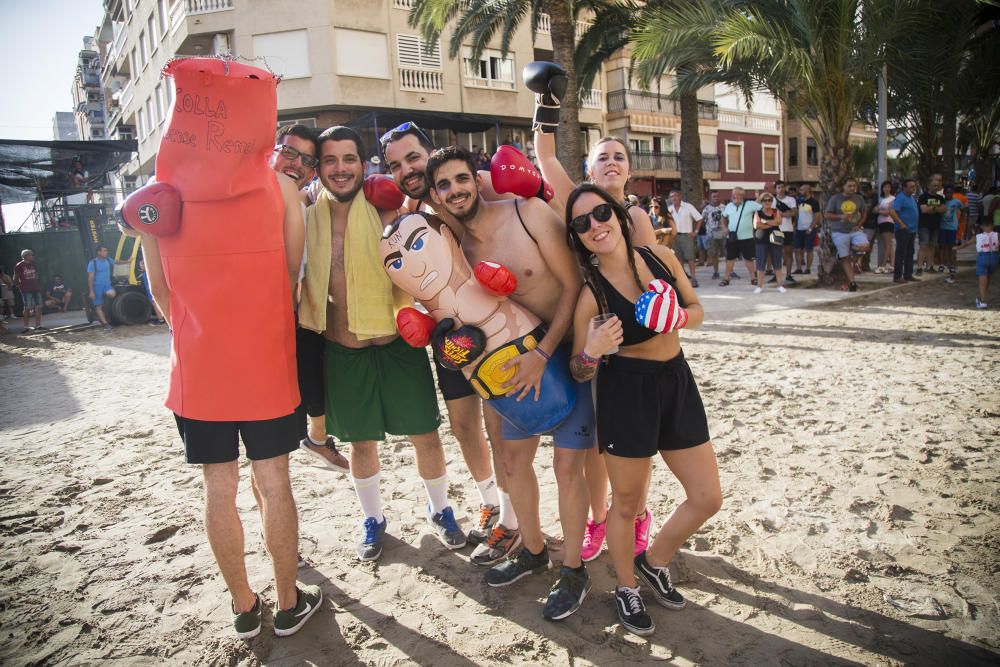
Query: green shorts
<point>377,390</point>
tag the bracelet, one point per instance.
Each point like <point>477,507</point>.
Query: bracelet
<point>542,352</point>
<point>587,360</point>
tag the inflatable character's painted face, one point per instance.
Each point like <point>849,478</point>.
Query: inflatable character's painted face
<point>418,253</point>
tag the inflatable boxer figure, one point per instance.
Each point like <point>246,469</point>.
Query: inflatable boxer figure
<point>218,213</point>
<point>472,325</point>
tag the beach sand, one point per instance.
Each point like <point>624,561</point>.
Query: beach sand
<point>861,522</point>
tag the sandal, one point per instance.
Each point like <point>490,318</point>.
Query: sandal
<point>723,283</point>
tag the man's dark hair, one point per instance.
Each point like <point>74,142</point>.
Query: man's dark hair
<point>447,154</point>
<point>412,130</point>
<point>906,181</point>
<point>341,133</point>
<point>296,130</point>
<point>779,182</point>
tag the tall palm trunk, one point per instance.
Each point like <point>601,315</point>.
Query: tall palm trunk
<point>563,44</point>
<point>692,186</point>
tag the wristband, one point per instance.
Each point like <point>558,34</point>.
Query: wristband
<point>542,352</point>
<point>587,360</point>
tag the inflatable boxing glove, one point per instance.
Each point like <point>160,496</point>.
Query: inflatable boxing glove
<point>415,327</point>
<point>155,209</point>
<point>381,191</point>
<point>459,348</point>
<point>659,309</point>
<point>548,82</point>
<point>511,171</point>
<point>496,278</point>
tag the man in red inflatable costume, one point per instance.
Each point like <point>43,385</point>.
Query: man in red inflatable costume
<point>222,237</point>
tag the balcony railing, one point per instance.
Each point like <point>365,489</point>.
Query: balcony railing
<point>636,100</point>
<point>125,96</point>
<point>421,81</point>
<point>749,120</point>
<point>183,8</point>
<point>591,98</point>
<point>483,82</point>
<point>708,110</point>
<point>710,163</point>
<point>669,161</point>
<point>544,26</point>
<point>403,4</point>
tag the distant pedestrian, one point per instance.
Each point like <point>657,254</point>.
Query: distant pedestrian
<point>905,214</point>
<point>715,232</point>
<point>987,257</point>
<point>948,235</point>
<point>58,294</point>
<point>975,211</point>
<point>6,295</point>
<point>687,220</point>
<point>768,240</point>
<point>787,207</point>
<point>738,217</point>
<point>847,213</point>
<point>29,284</point>
<point>886,227</point>
<point>100,271</point>
<point>931,209</point>
<point>805,230</point>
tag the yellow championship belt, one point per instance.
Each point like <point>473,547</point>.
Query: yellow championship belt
<point>489,378</point>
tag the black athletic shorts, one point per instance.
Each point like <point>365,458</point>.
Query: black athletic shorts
<point>648,406</point>
<point>886,228</point>
<point>219,442</point>
<point>453,384</point>
<point>739,248</point>
<point>309,347</point>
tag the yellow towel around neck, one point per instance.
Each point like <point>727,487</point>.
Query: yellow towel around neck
<point>372,301</point>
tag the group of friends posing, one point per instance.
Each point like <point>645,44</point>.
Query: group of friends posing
<point>608,300</point>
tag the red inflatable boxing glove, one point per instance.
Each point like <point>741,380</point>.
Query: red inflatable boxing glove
<point>659,308</point>
<point>382,192</point>
<point>511,171</point>
<point>496,278</point>
<point>415,327</point>
<point>155,209</point>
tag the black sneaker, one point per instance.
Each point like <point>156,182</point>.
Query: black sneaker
<point>789,279</point>
<point>247,623</point>
<point>568,593</point>
<point>797,272</point>
<point>772,280</point>
<point>517,567</point>
<point>288,621</point>
<point>658,580</point>
<point>632,611</point>
<point>918,272</point>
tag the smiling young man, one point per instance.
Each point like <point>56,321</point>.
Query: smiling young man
<point>375,382</point>
<point>528,238</point>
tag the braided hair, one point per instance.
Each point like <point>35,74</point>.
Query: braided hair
<point>588,260</point>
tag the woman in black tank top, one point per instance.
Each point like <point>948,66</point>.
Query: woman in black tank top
<point>766,222</point>
<point>646,399</point>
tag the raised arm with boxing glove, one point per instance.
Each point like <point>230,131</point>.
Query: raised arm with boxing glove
<point>511,171</point>
<point>548,82</point>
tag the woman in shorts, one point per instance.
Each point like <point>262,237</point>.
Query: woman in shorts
<point>765,223</point>
<point>886,228</point>
<point>647,400</point>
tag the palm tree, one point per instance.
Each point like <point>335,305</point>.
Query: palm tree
<point>482,20</point>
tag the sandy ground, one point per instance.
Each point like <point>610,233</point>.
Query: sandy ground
<point>856,442</point>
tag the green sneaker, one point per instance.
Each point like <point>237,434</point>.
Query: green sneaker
<point>517,567</point>
<point>247,623</point>
<point>287,622</point>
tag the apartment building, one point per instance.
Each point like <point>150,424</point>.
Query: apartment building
<point>352,62</point>
<point>64,126</point>
<point>88,93</point>
<point>803,154</point>
<point>749,141</point>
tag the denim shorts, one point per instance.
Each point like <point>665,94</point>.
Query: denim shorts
<point>577,431</point>
<point>844,240</point>
<point>32,299</point>
<point>986,263</point>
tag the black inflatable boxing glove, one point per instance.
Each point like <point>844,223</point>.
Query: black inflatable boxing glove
<point>459,348</point>
<point>155,209</point>
<point>548,82</point>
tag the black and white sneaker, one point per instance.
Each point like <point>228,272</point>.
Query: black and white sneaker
<point>658,580</point>
<point>632,611</point>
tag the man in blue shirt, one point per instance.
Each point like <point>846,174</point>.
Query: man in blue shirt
<point>905,213</point>
<point>100,271</point>
<point>738,215</point>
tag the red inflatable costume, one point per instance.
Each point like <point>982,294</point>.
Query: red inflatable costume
<point>233,351</point>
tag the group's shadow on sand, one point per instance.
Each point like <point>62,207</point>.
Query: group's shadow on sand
<point>837,633</point>
<point>926,337</point>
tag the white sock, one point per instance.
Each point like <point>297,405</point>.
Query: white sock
<point>313,442</point>
<point>437,493</point>
<point>369,496</point>
<point>488,491</point>
<point>507,516</point>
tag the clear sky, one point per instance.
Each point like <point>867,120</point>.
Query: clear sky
<point>39,43</point>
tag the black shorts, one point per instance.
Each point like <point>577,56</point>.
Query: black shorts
<point>886,228</point>
<point>737,248</point>
<point>453,384</point>
<point>309,361</point>
<point>218,442</point>
<point>648,406</point>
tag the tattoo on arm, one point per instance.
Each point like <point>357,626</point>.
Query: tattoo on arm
<point>580,371</point>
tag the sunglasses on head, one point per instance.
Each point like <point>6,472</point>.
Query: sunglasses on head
<point>290,154</point>
<point>400,131</point>
<point>581,223</point>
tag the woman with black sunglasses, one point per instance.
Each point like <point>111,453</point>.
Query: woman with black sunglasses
<point>647,399</point>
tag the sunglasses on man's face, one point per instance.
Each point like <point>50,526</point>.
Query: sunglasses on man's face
<point>581,223</point>
<point>290,154</point>
<point>401,130</point>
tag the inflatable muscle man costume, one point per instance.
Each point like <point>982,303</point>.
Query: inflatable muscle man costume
<point>233,351</point>
<point>475,327</point>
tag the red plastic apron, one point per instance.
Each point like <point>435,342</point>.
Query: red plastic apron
<point>233,351</point>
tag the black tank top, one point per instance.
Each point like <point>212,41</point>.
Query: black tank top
<point>634,333</point>
<point>765,216</point>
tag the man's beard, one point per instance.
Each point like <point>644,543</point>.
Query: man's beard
<point>416,194</point>
<point>349,196</point>
<point>473,210</point>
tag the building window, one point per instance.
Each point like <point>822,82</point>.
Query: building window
<point>812,155</point>
<point>134,65</point>
<point>769,158</point>
<point>490,70</point>
<point>151,32</point>
<point>140,125</point>
<point>170,93</point>
<point>793,151</point>
<point>419,64</point>
<point>159,103</point>
<point>375,46</point>
<point>143,53</point>
<point>287,53</point>
<point>641,145</point>
<point>734,156</point>
<point>164,12</point>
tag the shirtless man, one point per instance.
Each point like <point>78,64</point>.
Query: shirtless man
<point>406,149</point>
<point>375,382</point>
<point>527,237</point>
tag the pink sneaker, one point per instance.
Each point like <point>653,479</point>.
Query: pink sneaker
<point>642,526</point>
<point>593,540</point>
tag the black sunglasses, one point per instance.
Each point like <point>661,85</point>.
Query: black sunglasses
<point>289,153</point>
<point>581,223</point>
<point>400,131</point>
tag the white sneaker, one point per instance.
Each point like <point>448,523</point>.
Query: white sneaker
<point>980,303</point>
<point>757,290</point>
<point>781,289</point>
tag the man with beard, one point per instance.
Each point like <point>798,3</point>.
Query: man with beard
<point>375,382</point>
<point>406,149</point>
<point>295,156</point>
<point>527,237</point>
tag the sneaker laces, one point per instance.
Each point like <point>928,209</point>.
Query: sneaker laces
<point>590,536</point>
<point>632,599</point>
<point>448,520</point>
<point>497,536</point>
<point>371,529</point>
<point>485,514</point>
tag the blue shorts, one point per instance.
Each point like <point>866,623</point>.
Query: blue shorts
<point>844,240</point>
<point>947,236</point>
<point>804,239</point>
<point>987,263</point>
<point>703,242</point>
<point>32,299</point>
<point>99,291</point>
<point>577,431</point>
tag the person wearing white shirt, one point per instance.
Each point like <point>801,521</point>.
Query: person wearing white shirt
<point>788,208</point>
<point>687,221</point>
